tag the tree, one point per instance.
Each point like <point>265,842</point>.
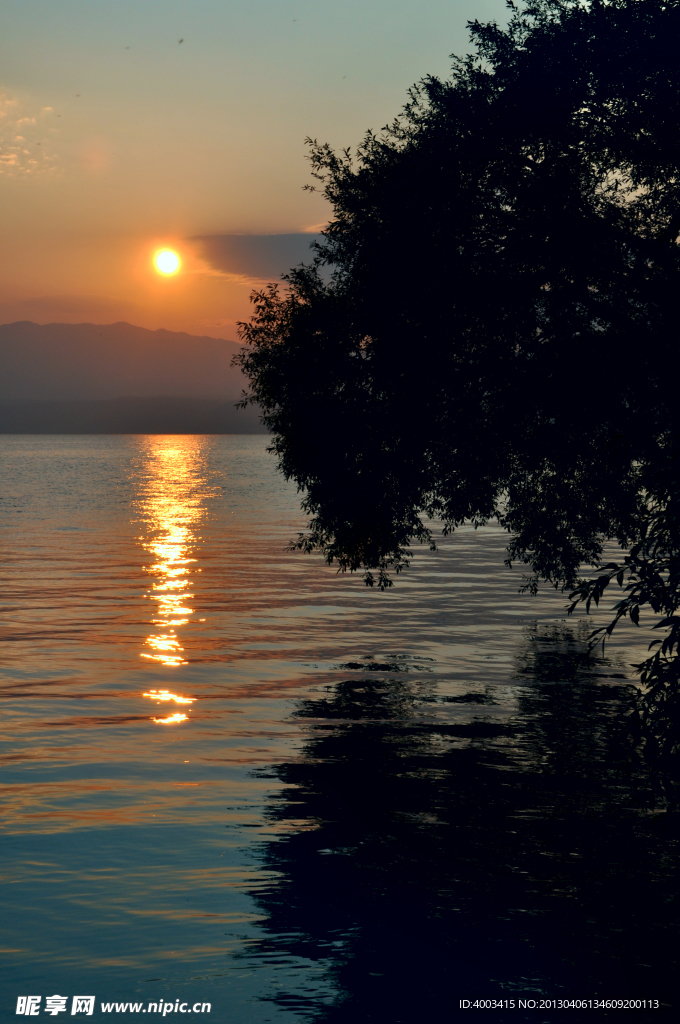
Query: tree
<point>498,336</point>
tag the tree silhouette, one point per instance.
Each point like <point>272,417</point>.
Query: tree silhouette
<point>498,336</point>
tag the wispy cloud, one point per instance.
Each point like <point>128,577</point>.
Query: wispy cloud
<point>255,257</point>
<point>68,308</point>
<point>25,139</point>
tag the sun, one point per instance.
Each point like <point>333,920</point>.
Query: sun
<point>166,261</point>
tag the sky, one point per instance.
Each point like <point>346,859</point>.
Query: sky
<point>134,125</point>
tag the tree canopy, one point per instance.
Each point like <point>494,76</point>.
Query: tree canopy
<point>489,328</point>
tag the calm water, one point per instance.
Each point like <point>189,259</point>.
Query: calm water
<point>232,776</point>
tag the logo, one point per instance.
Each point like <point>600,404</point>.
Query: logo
<point>29,1006</point>
<point>83,1004</point>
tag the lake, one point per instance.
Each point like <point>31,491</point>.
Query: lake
<point>234,777</point>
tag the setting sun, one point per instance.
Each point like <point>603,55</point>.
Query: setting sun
<point>166,261</point>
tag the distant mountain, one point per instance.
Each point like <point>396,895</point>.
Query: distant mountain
<point>118,379</point>
<point>94,361</point>
<point>127,416</point>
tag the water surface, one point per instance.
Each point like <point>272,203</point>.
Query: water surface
<point>231,775</point>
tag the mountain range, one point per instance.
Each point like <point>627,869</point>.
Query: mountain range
<point>118,378</point>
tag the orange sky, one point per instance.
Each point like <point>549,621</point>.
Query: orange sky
<point>116,139</point>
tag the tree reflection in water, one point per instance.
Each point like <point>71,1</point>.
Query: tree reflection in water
<point>490,856</point>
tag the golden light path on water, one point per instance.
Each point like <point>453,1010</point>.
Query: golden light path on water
<point>166,695</point>
<point>172,507</point>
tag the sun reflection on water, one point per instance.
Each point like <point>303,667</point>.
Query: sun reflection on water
<point>166,695</point>
<point>172,506</point>
<point>171,719</point>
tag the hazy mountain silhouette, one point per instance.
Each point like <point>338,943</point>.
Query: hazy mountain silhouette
<point>162,415</point>
<point>117,378</point>
<point>89,361</point>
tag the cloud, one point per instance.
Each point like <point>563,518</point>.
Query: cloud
<point>25,148</point>
<point>258,257</point>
